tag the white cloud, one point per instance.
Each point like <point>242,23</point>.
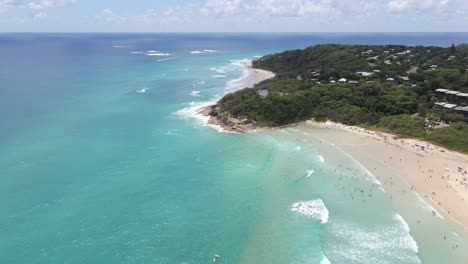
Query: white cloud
<point>107,16</point>
<point>287,14</point>
<point>258,9</point>
<point>37,7</point>
<point>40,15</point>
<point>399,6</point>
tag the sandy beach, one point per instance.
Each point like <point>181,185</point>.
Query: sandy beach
<point>438,175</point>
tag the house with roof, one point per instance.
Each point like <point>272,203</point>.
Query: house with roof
<point>462,110</point>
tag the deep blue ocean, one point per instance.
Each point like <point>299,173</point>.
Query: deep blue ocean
<point>101,160</point>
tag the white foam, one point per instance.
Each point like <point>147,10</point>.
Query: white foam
<point>430,207</point>
<point>309,173</point>
<point>204,51</point>
<point>325,260</point>
<point>193,110</point>
<point>172,132</point>
<point>137,52</point>
<point>166,59</point>
<point>195,93</point>
<point>383,244</point>
<point>321,159</point>
<point>152,51</point>
<point>158,54</point>
<point>201,82</point>
<point>298,148</point>
<point>141,91</point>
<point>366,171</point>
<point>313,209</point>
<point>120,46</point>
<point>218,76</point>
<point>410,240</point>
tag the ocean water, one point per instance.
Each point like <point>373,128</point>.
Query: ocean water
<point>103,160</point>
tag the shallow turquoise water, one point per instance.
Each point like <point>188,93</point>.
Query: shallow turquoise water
<point>94,170</point>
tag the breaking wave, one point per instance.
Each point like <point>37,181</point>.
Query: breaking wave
<point>387,244</point>
<point>313,209</point>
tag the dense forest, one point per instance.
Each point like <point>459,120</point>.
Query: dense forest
<point>389,88</point>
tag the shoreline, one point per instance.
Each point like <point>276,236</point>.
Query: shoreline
<point>258,76</point>
<point>438,175</point>
<point>431,171</point>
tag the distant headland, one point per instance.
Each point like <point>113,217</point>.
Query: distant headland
<point>419,92</point>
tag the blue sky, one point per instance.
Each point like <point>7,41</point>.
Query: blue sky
<point>234,15</point>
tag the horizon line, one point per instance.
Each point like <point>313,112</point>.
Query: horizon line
<point>235,32</point>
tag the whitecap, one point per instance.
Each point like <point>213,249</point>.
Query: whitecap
<point>137,52</point>
<point>321,159</point>
<point>309,173</point>
<point>313,209</point>
<point>152,51</point>
<point>218,76</point>
<point>383,244</point>
<point>141,91</point>
<point>325,260</point>
<point>196,52</point>
<point>120,46</point>
<point>195,93</point>
<point>410,240</point>
<point>166,59</point>
<point>158,54</point>
<point>194,109</point>
<point>172,132</point>
<point>211,51</point>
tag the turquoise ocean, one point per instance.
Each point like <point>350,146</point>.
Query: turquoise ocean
<point>103,160</point>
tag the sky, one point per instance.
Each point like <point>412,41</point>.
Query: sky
<point>234,16</point>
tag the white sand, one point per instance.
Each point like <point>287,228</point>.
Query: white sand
<point>432,171</point>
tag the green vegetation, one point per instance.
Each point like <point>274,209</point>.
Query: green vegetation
<point>391,89</point>
<point>454,137</point>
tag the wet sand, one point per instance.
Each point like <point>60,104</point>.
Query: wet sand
<point>438,175</point>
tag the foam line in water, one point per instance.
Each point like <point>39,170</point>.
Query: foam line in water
<point>384,244</point>
<point>194,109</point>
<point>166,59</point>
<point>325,260</point>
<point>195,93</point>
<point>158,54</point>
<point>309,173</point>
<point>321,159</point>
<point>313,209</point>
<point>370,175</point>
<point>218,76</point>
<point>411,242</point>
